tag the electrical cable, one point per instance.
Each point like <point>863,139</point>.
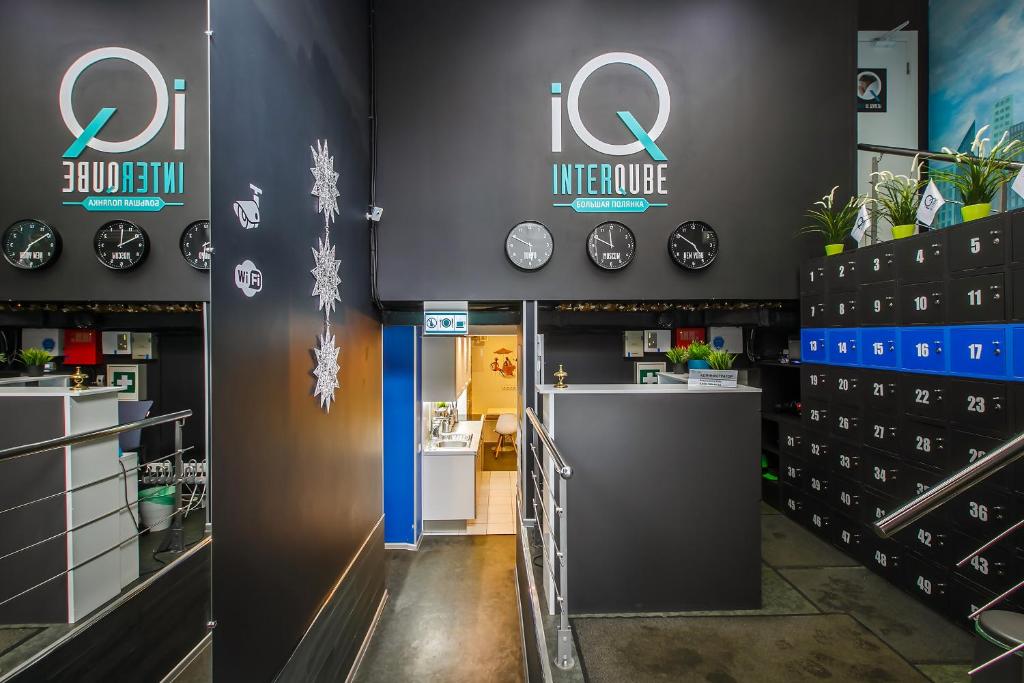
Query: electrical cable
<point>374,292</point>
<point>129,505</point>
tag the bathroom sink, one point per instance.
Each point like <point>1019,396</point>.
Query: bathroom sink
<point>452,443</point>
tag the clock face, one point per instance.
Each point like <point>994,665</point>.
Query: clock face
<point>693,245</point>
<point>529,245</point>
<point>31,244</point>
<point>611,246</point>
<point>121,245</point>
<point>195,245</point>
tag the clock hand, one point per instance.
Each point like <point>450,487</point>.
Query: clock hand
<point>610,238</point>
<point>129,241</point>
<point>598,238</point>
<point>695,247</point>
<point>121,239</point>
<point>523,241</point>
<point>33,242</point>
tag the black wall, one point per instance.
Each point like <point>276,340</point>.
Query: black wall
<point>761,126</point>
<point>297,490</point>
<point>38,42</point>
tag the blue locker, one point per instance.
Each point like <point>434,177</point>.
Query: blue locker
<point>978,351</point>
<point>843,346</point>
<point>1017,342</point>
<point>923,349</point>
<point>879,347</point>
<point>812,345</point>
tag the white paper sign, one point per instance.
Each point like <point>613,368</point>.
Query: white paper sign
<point>861,225</point>
<point>1018,184</point>
<point>713,378</point>
<point>931,201</point>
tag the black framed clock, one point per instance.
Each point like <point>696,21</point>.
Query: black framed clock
<point>611,246</point>
<point>31,244</point>
<point>121,245</point>
<point>195,245</point>
<point>529,245</point>
<point>693,245</point>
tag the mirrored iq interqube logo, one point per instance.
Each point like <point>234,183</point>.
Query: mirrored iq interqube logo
<point>611,187</point>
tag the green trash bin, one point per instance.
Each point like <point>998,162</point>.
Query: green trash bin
<point>156,504</point>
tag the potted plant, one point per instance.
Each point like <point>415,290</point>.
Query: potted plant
<point>34,359</point>
<point>833,223</point>
<point>723,360</point>
<point>978,176</point>
<point>677,356</point>
<point>898,197</point>
<point>697,355</point>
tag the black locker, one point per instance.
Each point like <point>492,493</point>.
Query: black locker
<point>790,438</point>
<point>881,430</point>
<point>927,581</point>
<point>842,308</point>
<point>965,448</point>
<point>844,496</point>
<point>1017,232</point>
<point>884,474</point>
<point>816,448</point>
<point>977,299</point>
<point>978,244</point>
<point>917,480</point>
<point>964,598</point>
<point>923,303</point>
<point>886,558</point>
<point>791,470</point>
<point>929,538</point>
<point>1017,292</point>
<point>846,421</point>
<point>922,258</point>
<point>845,458</point>
<point>876,263</point>
<point>812,310</point>
<point>924,395</point>
<point>814,413</point>
<point>874,506</point>
<point>812,276</point>
<point>792,502</point>
<point>848,536</point>
<point>879,390</point>
<point>819,518</point>
<point>816,481</point>
<point>979,406</point>
<point>990,568</point>
<point>923,443</point>
<point>814,381</point>
<point>844,384</point>
<point>983,511</point>
<point>841,271</point>
<point>876,304</point>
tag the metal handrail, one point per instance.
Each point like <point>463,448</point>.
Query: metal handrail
<point>561,467</point>
<point>921,153</point>
<point>948,488</point>
<point>94,435</point>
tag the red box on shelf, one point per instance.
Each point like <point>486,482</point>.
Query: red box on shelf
<point>82,347</point>
<point>685,335</point>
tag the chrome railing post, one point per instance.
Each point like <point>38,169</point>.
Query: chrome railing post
<point>564,659</point>
<point>177,524</point>
<point>876,159</point>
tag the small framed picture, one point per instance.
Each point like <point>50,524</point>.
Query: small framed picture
<point>647,372</point>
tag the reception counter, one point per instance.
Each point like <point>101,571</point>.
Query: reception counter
<point>663,507</point>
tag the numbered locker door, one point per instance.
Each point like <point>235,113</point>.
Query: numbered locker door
<point>844,495</point>
<point>930,583</point>
<point>814,381</point>
<point>1017,291</point>
<point>923,349</point>
<point>792,502</point>
<point>879,347</point>
<point>842,306</point>
<point>790,438</point>
<point>990,568</point>
<point>1017,334</point>
<point>848,536</point>
<point>983,511</point>
<point>977,299</point>
<point>846,421</point>
<point>978,351</point>
<point>876,304</point>
<point>923,304</point>
<point>922,258</point>
<point>842,271</point>
<point>845,459</point>
<point>816,448</point>
<point>884,474</point>
<point>791,470</point>
<point>813,348</point>
<point>978,244</point>
<point>980,406</point>
<point>924,395</point>
<point>877,263</point>
<point>924,443</point>
<point>843,346</point>
<point>845,384</point>
<point>812,310</point>
<point>966,448</point>
<point>881,430</point>
<point>879,389</point>
<point>812,276</point>
<point>928,537</point>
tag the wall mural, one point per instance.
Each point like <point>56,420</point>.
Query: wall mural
<point>506,368</point>
<point>325,273</point>
<point>976,78</point>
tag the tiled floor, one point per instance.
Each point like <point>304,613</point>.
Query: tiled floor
<point>495,504</point>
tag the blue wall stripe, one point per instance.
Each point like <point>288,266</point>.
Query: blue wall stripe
<point>400,448</point>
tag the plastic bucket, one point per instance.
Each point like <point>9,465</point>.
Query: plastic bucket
<point>155,507</point>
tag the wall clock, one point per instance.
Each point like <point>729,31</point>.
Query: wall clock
<point>195,245</point>
<point>121,245</point>
<point>611,246</point>
<point>693,245</point>
<point>529,245</point>
<point>30,244</point>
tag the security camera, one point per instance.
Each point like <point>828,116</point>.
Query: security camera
<point>375,213</point>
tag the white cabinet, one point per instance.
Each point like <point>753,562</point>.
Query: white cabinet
<point>449,486</point>
<point>445,371</point>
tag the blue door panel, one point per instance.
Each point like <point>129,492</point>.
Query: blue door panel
<point>978,351</point>
<point>879,347</point>
<point>843,346</point>
<point>812,345</point>
<point>1017,343</point>
<point>923,349</point>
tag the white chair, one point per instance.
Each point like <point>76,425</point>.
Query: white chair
<point>506,427</point>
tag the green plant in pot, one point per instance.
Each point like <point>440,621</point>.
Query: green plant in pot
<point>721,360</point>
<point>34,359</point>
<point>832,222</point>
<point>977,177</point>
<point>697,355</point>
<point>677,356</point>
<point>898,197</point>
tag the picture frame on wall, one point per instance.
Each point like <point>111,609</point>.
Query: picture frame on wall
<point>647,372</point>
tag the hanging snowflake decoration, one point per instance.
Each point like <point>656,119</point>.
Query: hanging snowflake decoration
<point>326,370</point>
<point>325,187</point>
<point>325,272</point>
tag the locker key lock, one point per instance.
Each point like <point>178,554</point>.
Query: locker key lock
<point>995,348</point>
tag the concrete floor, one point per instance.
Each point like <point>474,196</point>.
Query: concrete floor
<point>451,615</point>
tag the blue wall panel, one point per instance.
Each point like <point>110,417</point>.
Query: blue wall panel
<point>401,523</point>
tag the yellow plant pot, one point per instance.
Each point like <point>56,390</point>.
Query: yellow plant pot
<point>833,249</point>
<point>901,231</point>
<point>973,212</point>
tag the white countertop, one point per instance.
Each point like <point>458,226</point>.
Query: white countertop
<point>57,391</point>
<point>473,428</point>
<point>642,389</point>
